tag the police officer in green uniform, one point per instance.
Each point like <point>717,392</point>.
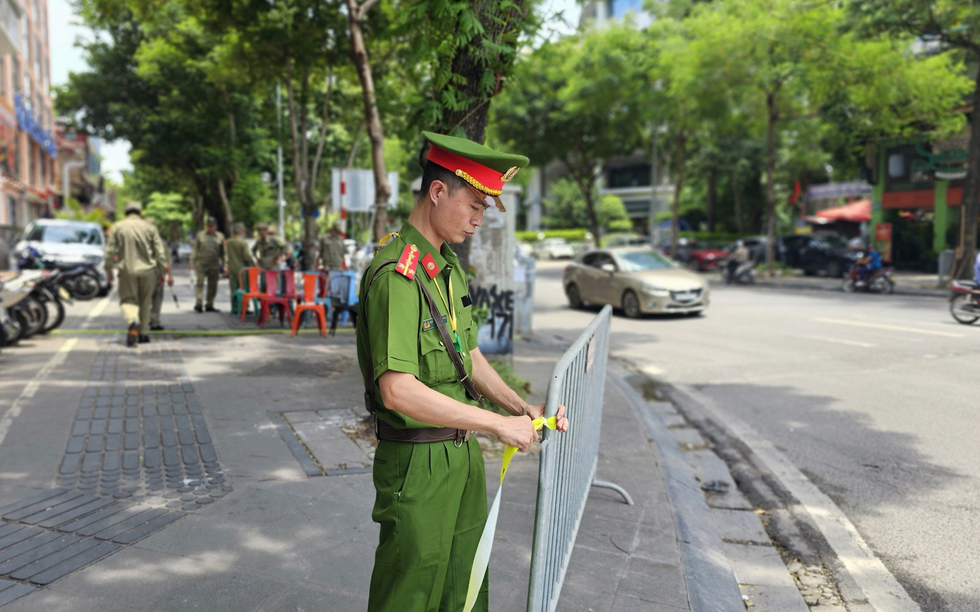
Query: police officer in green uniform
<point>236,250</point>
<point>269,249</point>
<point>207,259</point>
<point>431,498</point>
<point>332,248</point>
<point>135,248</point>
<point>157,305</point>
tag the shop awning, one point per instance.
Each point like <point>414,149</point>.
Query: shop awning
<point>857,212</point>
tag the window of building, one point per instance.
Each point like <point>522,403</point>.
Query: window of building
<point>37,62</point>
<point>11,211</point>
<point>15,72</point>
<point>635,175</point>
<point>31,164</point>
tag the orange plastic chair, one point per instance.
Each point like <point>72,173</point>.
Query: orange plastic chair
<point>312,281</point>
<point>271,297</point>
<point>254,291</point>
<point>246,284</point>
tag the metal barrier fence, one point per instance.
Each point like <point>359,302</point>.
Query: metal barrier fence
<point>568,461</point>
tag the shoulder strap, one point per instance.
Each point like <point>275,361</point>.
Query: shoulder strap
<point>466,381</point>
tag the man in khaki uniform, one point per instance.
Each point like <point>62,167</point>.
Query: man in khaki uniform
<point>269,249</point>
<point>157,306</point>
<point>135,247</point>
<point>207,258</point>
<point>236,250</point>
<point>332,248</point>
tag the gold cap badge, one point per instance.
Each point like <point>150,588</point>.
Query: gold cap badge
<point>509,174</point>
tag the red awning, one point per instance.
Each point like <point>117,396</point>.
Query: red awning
<point>855,211</point>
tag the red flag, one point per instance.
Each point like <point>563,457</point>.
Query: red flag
<point>796,193</point>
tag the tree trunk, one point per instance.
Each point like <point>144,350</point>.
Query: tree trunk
<point>359,54</point>
<point>770,172</point>
<point>675,209</point>
<point>971,195</point>
<point>738,203</point>
<point>593,216</point>
<point>309,241</point>
<point>710,199</point>
<point>224,223</point>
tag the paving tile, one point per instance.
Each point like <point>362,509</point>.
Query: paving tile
<point>57,510</point>
<point>130,523</point>
<point>16,515</point>
<point>61,519</point>
<point>90,555</point>
<point>759,565</point>
<point>147,528</point>
<point>131,441</point>
<point>98,515</point>
<point>40,497</point>
<point>775,598</point>
<point>43,545</point>
<point>43,564</point>
<point>13,592</point>
<point>25,546</point>
<point>75,444</point>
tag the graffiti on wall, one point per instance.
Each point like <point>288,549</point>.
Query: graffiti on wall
<point>496,336</point>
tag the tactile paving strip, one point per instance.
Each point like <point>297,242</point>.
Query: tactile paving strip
<point>139,458</point>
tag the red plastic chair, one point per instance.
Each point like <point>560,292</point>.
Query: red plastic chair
<point>254,291</point>
<point>312,282</point>
<point>271,298</point>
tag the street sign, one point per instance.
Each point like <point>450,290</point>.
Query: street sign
<point>837,190</point>
<point>356,192</point>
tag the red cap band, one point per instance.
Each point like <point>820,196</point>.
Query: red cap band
<point>483,178</point>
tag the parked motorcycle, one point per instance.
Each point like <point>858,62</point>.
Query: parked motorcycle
<point>9,328</point>
<point>81,280</point>
<point>22,305</point>
<point>964,303</point>
<point>879,281</point>
<point>744,274</point>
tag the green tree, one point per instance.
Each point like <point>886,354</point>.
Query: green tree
<point>566,209</point>
<point>953,27</point>
<point>170,213</point>
<point>580,101</point>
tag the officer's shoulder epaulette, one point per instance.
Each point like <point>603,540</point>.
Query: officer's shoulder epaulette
<point>408,262</point>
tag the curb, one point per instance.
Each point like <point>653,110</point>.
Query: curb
<point>710,579</point>
<point>807,286</point>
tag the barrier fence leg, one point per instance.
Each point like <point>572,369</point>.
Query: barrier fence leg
<point>602,484</point>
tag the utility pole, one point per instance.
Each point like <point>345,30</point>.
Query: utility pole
<point>282,200</point>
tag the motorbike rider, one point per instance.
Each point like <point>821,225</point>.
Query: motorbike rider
<point>870,264</point>
<point>738,257</point>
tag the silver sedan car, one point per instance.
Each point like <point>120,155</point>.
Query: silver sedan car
<point>638,280</point>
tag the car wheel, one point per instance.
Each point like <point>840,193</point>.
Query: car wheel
<point>574,299</point>
<point>631,304</point>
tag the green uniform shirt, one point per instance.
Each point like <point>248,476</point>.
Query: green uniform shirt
<point>267,249</point>
<point>208,250</point>
<point>238,254</point>
<point>397,331</point>
<point>138,246</point>
<point>332,251</point>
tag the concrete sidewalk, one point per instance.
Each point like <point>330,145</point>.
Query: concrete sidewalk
<point>228,473</point>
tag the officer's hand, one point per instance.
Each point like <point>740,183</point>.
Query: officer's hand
<point>517,431</point>
<point>538,411</point>
<point>170,280</point>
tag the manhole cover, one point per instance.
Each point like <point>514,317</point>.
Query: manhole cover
<point>328,442</point>
<point>319,366</point>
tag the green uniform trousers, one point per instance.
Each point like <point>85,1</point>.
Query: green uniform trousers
<point>431,503</point>
<point>136,297</point>
<point>212,274</point>
<point>157,305</point>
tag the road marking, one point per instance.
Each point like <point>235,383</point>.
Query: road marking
<point>56,360</point>
<point>98,310</point>
<point>838,341</point>
<point>911,330</point>
<point>882,590</point>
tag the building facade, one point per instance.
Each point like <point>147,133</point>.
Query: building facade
<point>27,144</point>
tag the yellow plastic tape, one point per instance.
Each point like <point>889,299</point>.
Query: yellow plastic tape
<point>481,560</point>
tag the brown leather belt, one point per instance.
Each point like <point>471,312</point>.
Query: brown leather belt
<point>385,431</point>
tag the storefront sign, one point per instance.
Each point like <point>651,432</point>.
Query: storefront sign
<point>837,190</point>
<point>28,123</point>
<point>945,164</point>
<point>883,240</point>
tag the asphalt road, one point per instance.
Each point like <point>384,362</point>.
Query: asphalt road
<point>873,398</point>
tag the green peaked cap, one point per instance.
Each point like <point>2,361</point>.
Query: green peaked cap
<point>477,152</point>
